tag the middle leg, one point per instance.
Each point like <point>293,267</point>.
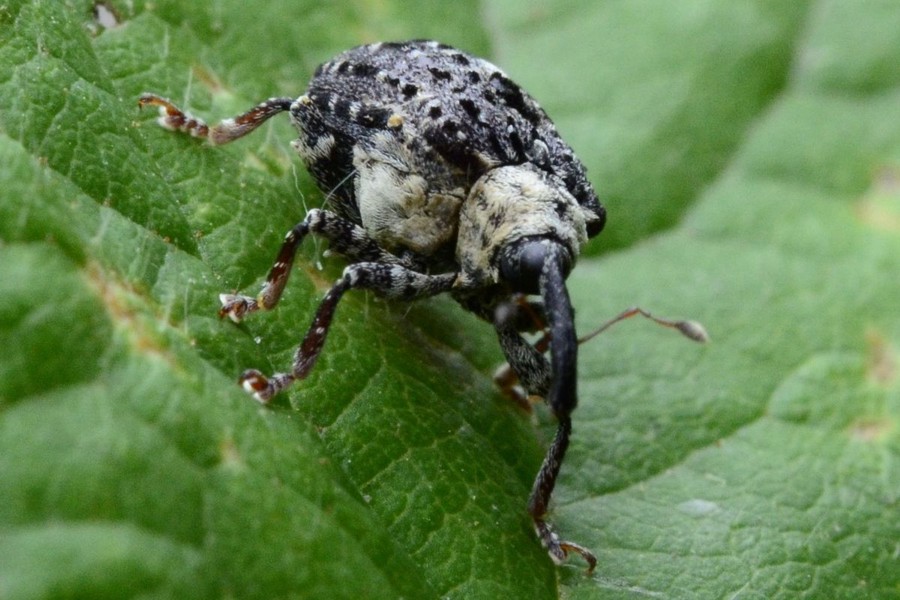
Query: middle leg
<point>344,237</point>
<point>391,281</point>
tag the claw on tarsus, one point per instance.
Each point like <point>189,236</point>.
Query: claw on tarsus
<point>236,307</point>
<point>559,550</point>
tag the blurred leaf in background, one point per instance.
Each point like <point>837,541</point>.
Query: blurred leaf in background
<point>749,156</point>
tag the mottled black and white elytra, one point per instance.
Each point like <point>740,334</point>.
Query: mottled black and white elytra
<point>442,175</point>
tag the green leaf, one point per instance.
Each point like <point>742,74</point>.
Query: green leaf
<point>748,154</point>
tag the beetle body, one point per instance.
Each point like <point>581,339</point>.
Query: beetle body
<point>427,111</point>
<point>398,135</point>
<point>441,175</point>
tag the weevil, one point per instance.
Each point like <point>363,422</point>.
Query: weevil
<point>444,176</point>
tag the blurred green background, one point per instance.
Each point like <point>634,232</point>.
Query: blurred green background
<point>749,157</point>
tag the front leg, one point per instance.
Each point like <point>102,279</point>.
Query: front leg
<point>525,366</point>
<point>344,236</point>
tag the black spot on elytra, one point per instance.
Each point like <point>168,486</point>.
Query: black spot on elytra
<point>342,108</point>
<point>473,76</point>
<point>450,128</point>
<point>365,70</point>
<point>470,107</point>
<point>373,117</point>
<point>518,147</point>
<point>461,59</point>
<point>435,111</point>
<point>440,74</point>
<point>393,81</point>
<point>498,148</point>
<point>409,90</point>
<point>343,67</point>
<point>511,95</point>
